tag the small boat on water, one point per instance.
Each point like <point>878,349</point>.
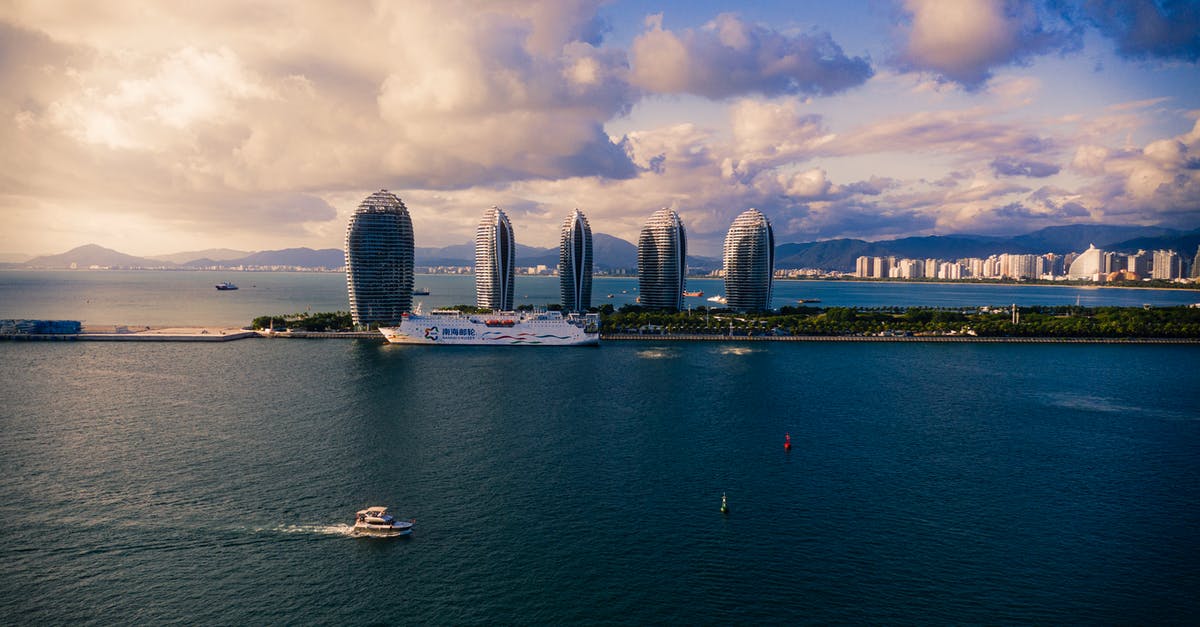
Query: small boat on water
<point>375,521</point>
<point>718,299</point>
<point>696,294</point>
<point>808,300</point>
<point>225,286</point>
<point>420,291</point>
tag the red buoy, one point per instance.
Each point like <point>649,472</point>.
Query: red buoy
<point>787,441</point>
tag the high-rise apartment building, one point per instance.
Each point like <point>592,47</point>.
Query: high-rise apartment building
<point>862,267</point>
<point>931,268</point>
<point>575,263</point>
<point>1020,266</point>
<point>379,260</point>
<point>881,267</point>
<point>1052,264</point>
<point>749,262</point>
<point>495,257</point>
<point>1196,265</point>
<point>910,269</point>
<point>950,270</point>
<point>1140,263</point>
<point>662,261</point>
<point>1167,265</point>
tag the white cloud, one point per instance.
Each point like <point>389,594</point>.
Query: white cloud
<point>964,40</point>
<point>730,57</point>
<point>1161,178</point>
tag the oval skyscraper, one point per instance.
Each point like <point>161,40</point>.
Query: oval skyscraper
<point>662,261</point>
<point>379,259</point>
<point>749,262</point>
<point>575,263</point>
<point>495,267</point>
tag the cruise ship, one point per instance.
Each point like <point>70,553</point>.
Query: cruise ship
<point>499,328</point>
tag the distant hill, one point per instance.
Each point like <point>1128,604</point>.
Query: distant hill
<point>304,257</point>
<point>1077,237</point>
<point>92,255</point>
<point>834,254</point>
<point>608,253</point>
<point>612,253</point>
<point>212,254</point>
<point>1183,243</point>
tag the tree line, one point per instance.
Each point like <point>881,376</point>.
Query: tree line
<point>1035,321</point>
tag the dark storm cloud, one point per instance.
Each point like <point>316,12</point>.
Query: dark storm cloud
<point>1144,29</point>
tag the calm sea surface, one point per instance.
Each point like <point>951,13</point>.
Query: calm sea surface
<point>189,298</point>
<point>928,483</point>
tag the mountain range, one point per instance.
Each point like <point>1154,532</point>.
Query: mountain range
<point>612,253</point>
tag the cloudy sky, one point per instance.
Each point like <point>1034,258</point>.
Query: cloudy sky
<point>156,127</point>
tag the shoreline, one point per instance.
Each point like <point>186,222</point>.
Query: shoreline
<point>216,334</point>
<point>1080,286</point>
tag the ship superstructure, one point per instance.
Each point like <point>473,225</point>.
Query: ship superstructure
<point>498,328</point>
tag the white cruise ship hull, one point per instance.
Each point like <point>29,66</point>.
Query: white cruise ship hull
<point>491,330</point>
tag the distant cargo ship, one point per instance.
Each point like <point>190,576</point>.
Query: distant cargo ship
<point>500,328</point>
<point>696,294</point>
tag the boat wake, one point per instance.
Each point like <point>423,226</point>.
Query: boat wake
<point>735,350</point>
<point>655,353</point>
<point>326,530</point>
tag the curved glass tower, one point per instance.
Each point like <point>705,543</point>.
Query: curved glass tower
<point>749,262</point>
<point>575,263</point>
<point>1088,264</point>
<point>662,261</point>
<point>494,261</point>
<point>379,259</point>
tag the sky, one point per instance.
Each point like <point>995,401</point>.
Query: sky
<point>160,127</point>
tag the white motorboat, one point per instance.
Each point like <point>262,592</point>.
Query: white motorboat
<point>375,521</point>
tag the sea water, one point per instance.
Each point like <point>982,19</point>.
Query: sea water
<point>927,483</point>
<point>189,298</point>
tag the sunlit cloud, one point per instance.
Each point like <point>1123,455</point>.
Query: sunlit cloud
<point>227,125</point>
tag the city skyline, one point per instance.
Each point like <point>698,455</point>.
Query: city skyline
<point>179,127</point>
